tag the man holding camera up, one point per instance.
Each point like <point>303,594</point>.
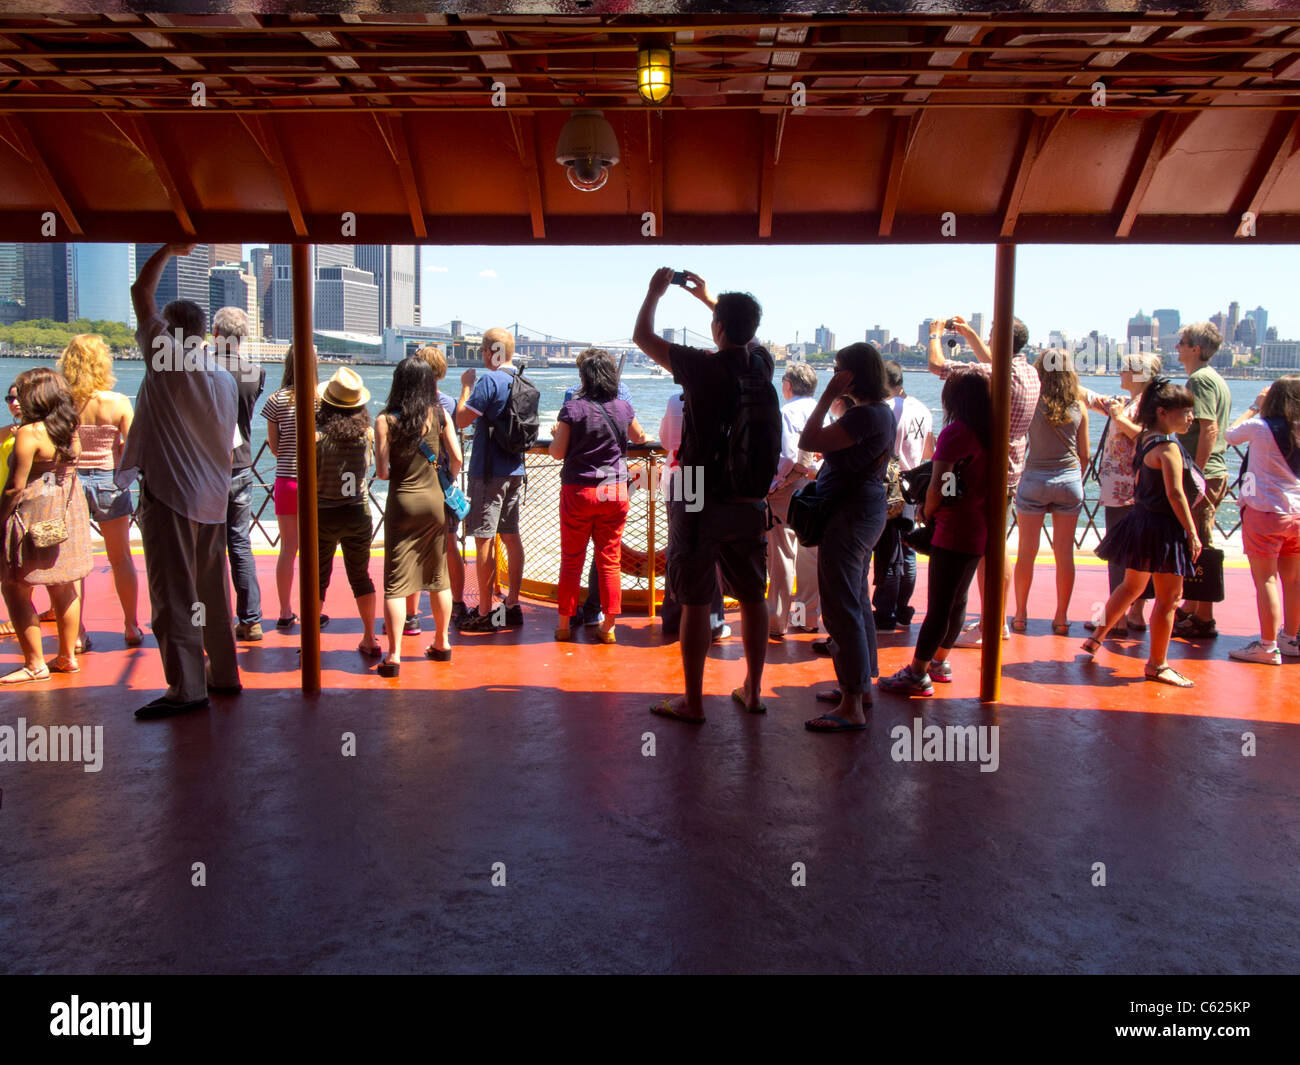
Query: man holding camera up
<point>1024,398</point>
<point>726,534</point>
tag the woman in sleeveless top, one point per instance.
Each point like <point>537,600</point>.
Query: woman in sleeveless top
<point>42,485</point>
<point>281,436</point>
<point>1157,539</point>
<point>1052,483</point>
<point>591,437</point>
<point>409,435</point>
<point>105,419</point>
<point>344,448</point>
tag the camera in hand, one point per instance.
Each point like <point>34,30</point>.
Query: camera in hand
<point>950,325</point>
<point>679,277</point>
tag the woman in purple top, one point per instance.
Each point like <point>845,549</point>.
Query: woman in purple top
<point>592,437</point>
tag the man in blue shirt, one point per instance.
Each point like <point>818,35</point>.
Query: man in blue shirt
<point>496,484</point>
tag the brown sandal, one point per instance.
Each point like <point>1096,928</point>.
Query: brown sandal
<point>1169,675</point>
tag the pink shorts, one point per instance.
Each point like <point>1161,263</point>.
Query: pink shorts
<point>1269,535</point>
<point>286,496</point>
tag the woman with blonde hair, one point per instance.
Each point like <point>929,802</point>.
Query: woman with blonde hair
<point>1052,483</point>
<point>105,419</point>
<point>40,495</point>
<point>282,436</point>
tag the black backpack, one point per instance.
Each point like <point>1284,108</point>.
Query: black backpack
<point>515,431</point>
<point>752,440</point>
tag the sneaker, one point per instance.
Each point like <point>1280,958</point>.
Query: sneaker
<point>514,617</point>
<point>476,622</point>
<point>1289,646</point>
<point>907,683</point>
<point>458,611</point>
<point>941,672</point>
<point>412,626</point>
<point>721,633</point>
<point>970,636</point>
<point>1256,652</point>
<point>251,632</point>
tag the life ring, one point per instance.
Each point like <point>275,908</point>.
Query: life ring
<point>633,561</point>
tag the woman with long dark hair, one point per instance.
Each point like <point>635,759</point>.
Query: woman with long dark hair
<point>1157,540</point>
<point>591,438</point>
<point>954,504</point>
<point>852,481</point>
<point>409,436</point>
<point>1270,517</point>
<point>345,444</point>
<point>40,490</point>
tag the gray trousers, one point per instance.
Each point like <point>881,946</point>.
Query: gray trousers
<point>791,568</point>
<point>189,592</point>
<point>843,572</point>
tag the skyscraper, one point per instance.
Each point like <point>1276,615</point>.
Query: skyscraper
<point>393,267</point>
<point>263,272</point>
<point>11,273</point>
<point>1234,316</point>
<point>977,323</point>
<point>220,254</point>
<point>1261,323</point>
<point>877,336</point>
<point>104,273</point>
<point>418,309</point>
<point>824,339</point>
<point>46,281</point>
<point>346,299</point>
<point>185,277</point>
<point>231,286</point>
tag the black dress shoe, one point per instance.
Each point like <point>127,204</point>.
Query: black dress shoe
<point>822,647</point>
<point>168,708</point>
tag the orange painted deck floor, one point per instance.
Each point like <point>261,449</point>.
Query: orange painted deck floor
<point>530,753</point>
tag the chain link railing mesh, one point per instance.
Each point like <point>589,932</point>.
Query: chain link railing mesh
<point>540,518</point>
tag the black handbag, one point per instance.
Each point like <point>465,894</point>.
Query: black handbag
<point>919,538</point>
<point>808,514</point>
<point>916,481</point>
<point>1207,585</point>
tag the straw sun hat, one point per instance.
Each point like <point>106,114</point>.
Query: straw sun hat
<point>344,390</point>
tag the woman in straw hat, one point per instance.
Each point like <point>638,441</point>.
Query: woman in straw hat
<point>410,434</point>
<point>344,452</point>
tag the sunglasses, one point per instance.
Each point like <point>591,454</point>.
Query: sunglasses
<point>13,398</point>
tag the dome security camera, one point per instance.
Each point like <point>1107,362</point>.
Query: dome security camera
<point>587,148</point>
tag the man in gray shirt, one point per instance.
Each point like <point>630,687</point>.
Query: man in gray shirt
<point>181,441</point>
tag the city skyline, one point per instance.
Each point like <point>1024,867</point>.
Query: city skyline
<point>819,288</point>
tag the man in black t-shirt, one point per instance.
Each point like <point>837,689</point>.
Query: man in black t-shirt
<point>708,533</point>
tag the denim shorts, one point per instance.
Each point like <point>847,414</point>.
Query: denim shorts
<point>104,499</point>
<point>1043,492</point>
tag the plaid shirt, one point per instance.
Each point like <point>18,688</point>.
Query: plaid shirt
<point>1024,399</point>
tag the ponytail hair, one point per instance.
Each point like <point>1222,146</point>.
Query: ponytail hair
<point>1161,394</point>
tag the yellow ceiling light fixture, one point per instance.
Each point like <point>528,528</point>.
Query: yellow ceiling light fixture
<point>654,72</point>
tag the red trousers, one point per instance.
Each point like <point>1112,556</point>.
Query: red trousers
<point>595,513</point>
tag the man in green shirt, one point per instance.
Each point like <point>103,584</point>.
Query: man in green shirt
<point>1206,443</point>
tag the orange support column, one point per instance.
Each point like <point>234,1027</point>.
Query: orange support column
<point>995,554</point>
<point>304,401</point>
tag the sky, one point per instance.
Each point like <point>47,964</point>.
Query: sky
<point>593,293</point>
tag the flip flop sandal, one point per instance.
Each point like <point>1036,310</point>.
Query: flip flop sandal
<point>371,652</point>
<point>1061,628</point>
<point>739,696</point>
<point>30,675</point>
<point>84,645</point>
<point>286,623</point>
<point>840,724</point>
<point>1092,650</point>
<point>7,628</point>
<point>48,616</point>
<point>1019,624</point>
<point>59,665</point>
<point>665,708</point>
<point>831,696</point>
<point>1171,676</point>
<point>134,641</point>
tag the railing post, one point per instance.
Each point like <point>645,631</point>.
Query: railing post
<point>651,496</point>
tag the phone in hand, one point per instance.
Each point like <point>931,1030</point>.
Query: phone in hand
<point>679,278</point>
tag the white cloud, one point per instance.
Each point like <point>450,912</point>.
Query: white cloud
<point>437,269</point>
<point>489,272</point>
